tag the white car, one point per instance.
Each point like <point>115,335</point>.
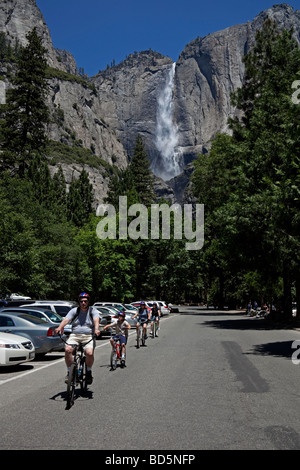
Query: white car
<point>19,297</point>
<point>164,309</point>
<point>15,349</point>
<point>58,306</point>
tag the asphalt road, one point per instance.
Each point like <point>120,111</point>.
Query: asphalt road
<point>212,380</point>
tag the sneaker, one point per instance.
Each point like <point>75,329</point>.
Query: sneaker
<point>89,377</point>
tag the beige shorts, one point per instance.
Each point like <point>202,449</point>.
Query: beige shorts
<point>86,340</point>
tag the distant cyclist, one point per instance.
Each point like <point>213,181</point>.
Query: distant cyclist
<point>155,316</point>
<point>143,317</point>
<point>121,327</point>
<point>85,322</point>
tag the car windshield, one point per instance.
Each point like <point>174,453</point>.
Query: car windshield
<point>130,307</point>
<point>62,309</point>
<point>35,320</point>
<point>47,313</point>
<point>103,310</point>
<point>114,309</point>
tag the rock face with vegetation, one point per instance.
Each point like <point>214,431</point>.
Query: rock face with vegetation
<point>104,113</point>
<point>54,243</point>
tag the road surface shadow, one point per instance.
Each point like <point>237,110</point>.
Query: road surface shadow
<point>244,323</point>
<point>277,349</point>
<point>282,349</point>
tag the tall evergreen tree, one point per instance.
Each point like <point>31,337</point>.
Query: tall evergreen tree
<point>135,182</point>
<point>25,113</point>
<point>258,219</point>
<point>141,174</point>
<point>80,200</point>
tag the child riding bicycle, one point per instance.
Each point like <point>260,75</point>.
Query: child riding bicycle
<point>121,329</point>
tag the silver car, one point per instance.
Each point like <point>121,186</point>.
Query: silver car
<point>44,314</point>
<point>41,333</point>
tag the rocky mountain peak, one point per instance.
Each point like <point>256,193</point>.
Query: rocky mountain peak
<point>105,112</point>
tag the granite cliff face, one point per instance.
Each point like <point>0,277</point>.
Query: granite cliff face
<point>208,70</point>
<point>187,103</point>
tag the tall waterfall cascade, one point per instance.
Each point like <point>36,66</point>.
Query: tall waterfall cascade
<point>166,137</point>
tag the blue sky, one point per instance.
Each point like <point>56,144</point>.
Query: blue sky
<point>98,32</point>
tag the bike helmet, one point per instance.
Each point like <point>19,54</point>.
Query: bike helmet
<point>142,303</point>
<point>85,295</point>
<point>121,314</point>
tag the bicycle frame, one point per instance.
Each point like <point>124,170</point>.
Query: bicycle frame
<point>116,354</point>
<point>140,338</point>
<point>77,373</point>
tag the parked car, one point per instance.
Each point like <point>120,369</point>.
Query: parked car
<point>59,306</point>
<point>15,349</point>
<point>130,307</point>
<point>106,317</point>
<point>44,314</point>
<point>164,309</point>
<point>18,297</point>
<point>41,333</point>
<point>116,305</point>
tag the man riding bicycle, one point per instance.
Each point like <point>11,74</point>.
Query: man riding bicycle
<point>143,318</point>
<point>85,322</point>
<point>155,316</point>
<point>121,326</point>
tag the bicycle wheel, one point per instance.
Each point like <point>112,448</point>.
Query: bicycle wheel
<point>83,383</point>
<point>71,385</point>
<point>138,338</point>
<point>143,338</point>
<point>154,329</point>
<point>123,359</point>
<point>113,359</point>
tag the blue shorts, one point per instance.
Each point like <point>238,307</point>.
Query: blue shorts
<point>122,338</point>
<point>155,318</point>
<point>142,320</point>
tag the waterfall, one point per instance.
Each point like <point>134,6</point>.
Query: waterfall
<point>166,139</point>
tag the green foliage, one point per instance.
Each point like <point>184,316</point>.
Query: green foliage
<point>249,184</point>
<point>25,113</point>
<point>135,182</point>
<point>250,181</point>
<point>80,200</point>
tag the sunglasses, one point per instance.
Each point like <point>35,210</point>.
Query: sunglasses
<point>81,301</point>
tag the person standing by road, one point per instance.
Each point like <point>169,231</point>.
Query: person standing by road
<point>85,322</point>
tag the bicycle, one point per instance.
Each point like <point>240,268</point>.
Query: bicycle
<point>116,353</point>
<point>77,373</point>
<point>154,328</point>
<point>141,335</point>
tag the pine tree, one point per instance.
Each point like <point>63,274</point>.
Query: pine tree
<point>141,174</point>
<point>25,113</point>
<point>80,200</point>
